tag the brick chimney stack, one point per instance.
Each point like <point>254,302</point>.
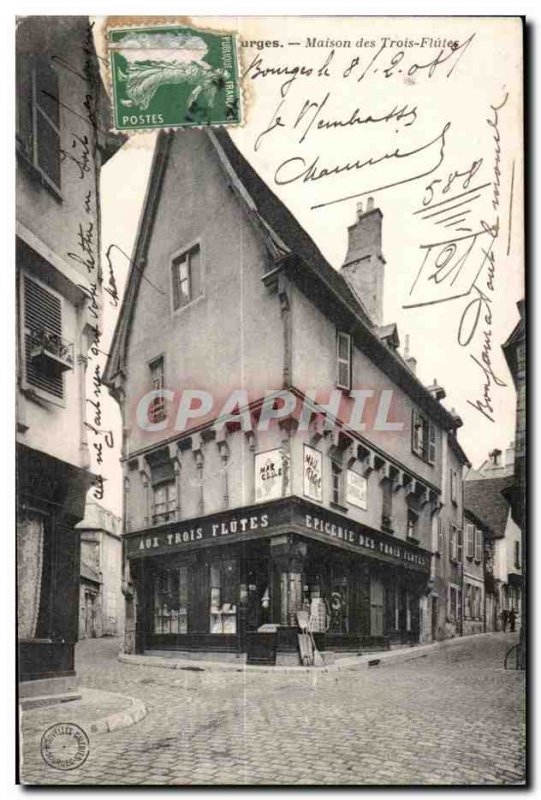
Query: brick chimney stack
<point>364,265</point>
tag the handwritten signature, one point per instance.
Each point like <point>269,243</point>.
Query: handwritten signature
<point>464,266</point>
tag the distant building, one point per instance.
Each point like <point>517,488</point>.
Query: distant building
<point>474,574</point>
<point>485,499</point>
<point>514,351</point>
<point>101,600</point>
<point>62,143</point>
<point>498,464</point>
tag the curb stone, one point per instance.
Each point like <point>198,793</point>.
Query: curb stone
<point>350,663</point>
<point>120,719</point>
<point>135,712</point>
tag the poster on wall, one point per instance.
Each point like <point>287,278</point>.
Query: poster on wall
<point>356,490</point>
<point>312,474</point>
<point>269,475</point>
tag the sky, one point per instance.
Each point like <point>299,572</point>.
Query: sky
<point>477,100</point>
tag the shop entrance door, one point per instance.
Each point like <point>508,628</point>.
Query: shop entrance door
<point>90,615</point>
<point>258,599</point>
<point>376,607</point>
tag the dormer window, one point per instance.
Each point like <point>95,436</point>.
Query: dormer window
<point>343,360</point>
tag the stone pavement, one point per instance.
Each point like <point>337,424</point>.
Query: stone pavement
<point>96,712</point>
<point>453,716</point>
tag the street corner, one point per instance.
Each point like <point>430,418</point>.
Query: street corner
<point>95,712</point>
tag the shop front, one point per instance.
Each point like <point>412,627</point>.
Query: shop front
<point>212,583</point>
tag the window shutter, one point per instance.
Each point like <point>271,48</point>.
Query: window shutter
<point>431,443</point>
<point>478,545</point>
<point>459,544</point>
<point>416,426</point>
<point>196,286</point>
<point>46,121</point>
<point>452,543</point>
<point>343,360</point>
<point>42,314</point>
<point>469,540</point>
<point>176,284</point>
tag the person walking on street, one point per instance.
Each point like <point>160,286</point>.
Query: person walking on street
<point>512,620</point>
<point>504,616</point>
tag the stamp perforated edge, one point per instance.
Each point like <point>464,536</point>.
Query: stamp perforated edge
<point>127,23</point>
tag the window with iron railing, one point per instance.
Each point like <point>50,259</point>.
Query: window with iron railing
<point>47,354</point>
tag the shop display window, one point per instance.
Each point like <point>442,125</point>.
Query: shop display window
<point>171,601</point>
<point>223,596</point>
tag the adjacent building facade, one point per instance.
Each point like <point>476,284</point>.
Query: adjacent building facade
<point>101,611</point>
<point>61,145</point>
<point>485,500</point>
<point>251,491</point>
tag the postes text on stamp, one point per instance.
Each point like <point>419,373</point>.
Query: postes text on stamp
<point>173,77</point>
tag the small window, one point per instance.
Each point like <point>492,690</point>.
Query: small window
<point>454,486</point>
<point>187,278</point>
<point>412,525</point>
<point>459,544</point>
<point>343,360</point>
<point>470,537</point>
<point>46,151</point>
<point>337,479</point>
<point>157,412</point>
<point>165,501</point>
<point>453,544</point>
<point>478,545</point>
<point>517,555</point>
<point>423,437</point>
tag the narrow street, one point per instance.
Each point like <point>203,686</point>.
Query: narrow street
<point>454,716</point>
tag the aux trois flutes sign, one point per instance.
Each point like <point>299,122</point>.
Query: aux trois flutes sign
<point>291,515</point>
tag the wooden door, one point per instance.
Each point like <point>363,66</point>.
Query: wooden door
<point>376,606</point>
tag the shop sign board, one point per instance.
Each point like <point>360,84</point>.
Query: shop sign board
<point>356,489</point>
<point>312,474</point>
<point>269,475</point>
<point>291,515</point>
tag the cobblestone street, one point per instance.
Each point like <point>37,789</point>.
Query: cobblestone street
<point>454,716</point>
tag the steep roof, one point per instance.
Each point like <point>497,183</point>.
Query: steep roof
<point>484,499</point>
<point>285,237</point>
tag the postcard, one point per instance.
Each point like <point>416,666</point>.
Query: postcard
<point>271,401</point>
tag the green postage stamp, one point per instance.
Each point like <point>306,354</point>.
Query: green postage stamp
<point>173,77</point>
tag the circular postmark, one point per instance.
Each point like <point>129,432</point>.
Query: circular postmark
<point>65,746</point>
